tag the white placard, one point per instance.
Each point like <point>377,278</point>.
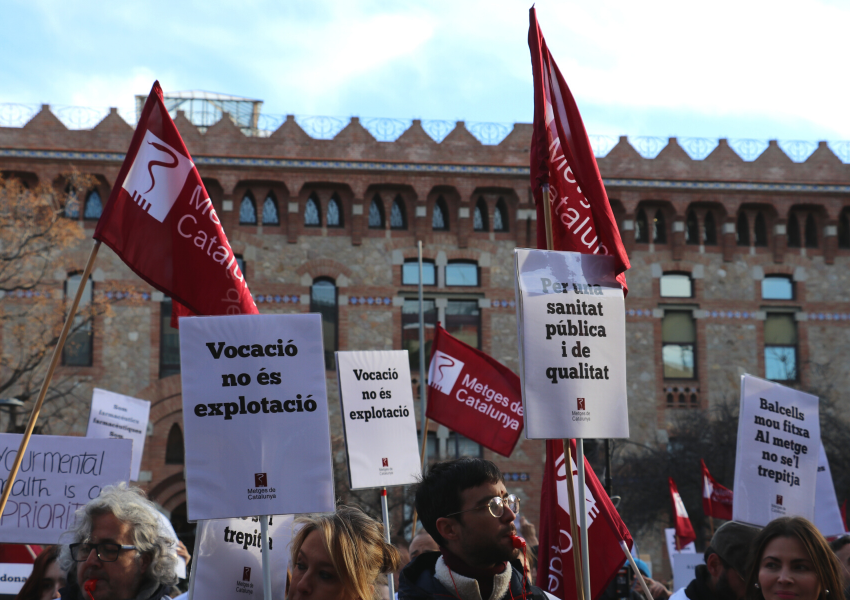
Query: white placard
<point>116,416</point>
<point>777,456</point>
<point>58,475</point>
<point>13,576</point>
<point>230,564</point>
<point>670,538</point>
<point>255,411</point>
<point>827,514</point>
<point>571,326</point>
<point>378,418</point>
<point>684,568</point>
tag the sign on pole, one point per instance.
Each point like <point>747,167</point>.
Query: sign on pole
<point>684,568</point>
<point>13,576</point>
<point>378,418</point>
<point>670,538</point>
<point>827,514</point>
<point>58,475</point>
<point>777,457</point>
<point>116,416</point>
<point>255,411</point>
<point>571,325</point>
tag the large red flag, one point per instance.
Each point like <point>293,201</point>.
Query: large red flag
<point>684,530</point>
<point>473,394</point>
<point>563,167</point>
<point>716,499</point>
<point>159,219</point>
<point>605,529</point>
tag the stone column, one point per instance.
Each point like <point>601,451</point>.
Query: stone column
<point>728,240</point>
<point>830,242</point>
<point>780,241</point>
<point>677,239</point>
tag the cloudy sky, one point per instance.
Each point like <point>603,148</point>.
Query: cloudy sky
<point>773,69</point>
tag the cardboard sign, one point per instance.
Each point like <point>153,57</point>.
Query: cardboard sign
<point>58,475</point>
<point>571,326</point>
<point>115,416</point>
<point>230,561</point>
<point>827,514</point>
<point>684,568</point>
<point>378,418</point>
<point>255,411</point>
<point>13,576</point>
<point>777,456</point>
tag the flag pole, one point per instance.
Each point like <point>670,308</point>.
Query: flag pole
<point>386,513</point>
<point>422,376</point>
<point>636,570</point>
<point>421,468</point>
<point>267,570</point>
<point>54,361</point>
<point>711,524</point>
<point>197,556</point>
<point>582,515</point>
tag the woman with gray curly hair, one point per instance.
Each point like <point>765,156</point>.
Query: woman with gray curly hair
<point>118,549</point>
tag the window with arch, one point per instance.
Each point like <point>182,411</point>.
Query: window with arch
<point>641,228</point>
<point>440,218</point>
<point>777,287</point>
<point>742,229</point>
<point>462,273</point>
<point>376,213</point>
<point>500,216</point>
<point>659,228</point>
<point>312,215</point>
<point>398,215</point>
<point>247,210</point>
<point>334,218</point>
<point>169,342</point>
<point>79,343</point>
<point>271,215</point>
<point>793,231</point>
<point>323,300</point>
<point>410,272</point>
<point>760,230</point>
<point>72,203</point>
<point>677,285</point>
<point>844,230</point>
<point>811,232</point>
<point>709,230</point>
<point>93,207</point>
<point>692,229</point>
<point>174,453</point>
<point>479,216</point>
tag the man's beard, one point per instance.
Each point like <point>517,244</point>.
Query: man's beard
<point>488,554</point>
<point>723,591</point>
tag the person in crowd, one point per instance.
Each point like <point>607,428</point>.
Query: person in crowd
<point>791,559</point>
<point>118,549</point>
<point>46,578</point>
<point>403,557</point>
<point>841,547</point>
<point>340,556</point>
<point>422,542</point>
<point>464,505</point>
<point>722,575</point>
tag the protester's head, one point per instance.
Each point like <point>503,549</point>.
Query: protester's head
<point>340,555</point>
<point>46,578</point>
<point>118,540</point>
<point>791,558</point>
<point>726,559</point>
<point>422,542</point>
<point>464,505</point>
<point>841,547</point>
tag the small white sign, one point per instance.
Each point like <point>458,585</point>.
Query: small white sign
<point>230,561</point>
<point>777,456</point>
<point>571,326</point>
<point>684,568</point>
<point>13,576</point>
<point>123,417</point>
<point>58,475</point>
<point>378,417</point>
<point>255,411</point>
<point>827,514</point>
<point>670,538</point>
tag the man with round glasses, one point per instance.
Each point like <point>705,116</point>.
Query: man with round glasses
<point>118,550</point>
<point>464,505</point>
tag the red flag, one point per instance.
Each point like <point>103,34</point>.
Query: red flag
<point>684,530</point>
<point>716,499</point>
<point>563,167</point>
<point>473,394</point>
<point>159,219</point>
<point>605,529</point>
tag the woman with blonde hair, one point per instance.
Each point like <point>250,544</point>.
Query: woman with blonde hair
<point>340,556</point>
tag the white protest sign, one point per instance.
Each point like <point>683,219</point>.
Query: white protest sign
<point>58,475</point>
<point>670,538</point>
<point>777,456</point>
<point>230,562</point>
<point>827,514</point>
<point>684,568</point>
<point>13,576</point>
<point>571,326</point>
<point>255,411</point>
<point>378,417</point>
<point>115,416</point>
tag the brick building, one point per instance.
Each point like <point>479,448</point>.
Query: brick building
<point>737,265</point>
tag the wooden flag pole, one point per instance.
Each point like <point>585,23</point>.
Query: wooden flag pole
<point>421,466</point>
<point>711,523</point>
<point>54,361</point>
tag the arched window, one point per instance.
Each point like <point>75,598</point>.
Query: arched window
<point>271,216</point>
<point>439,220</point>
<point>793,229</point>
<point>79,344</point>
<point>641,228</point>
<point>659,228</point>
<point>247,210</point>
<point>691,229</point>
<point>742,230</point>
<point>844,230</point>
<point>72,203</point>
<point>93,207</point>
<point>811,232</point>
<point>174,446</point>
<point>479,216</point>
<point>500,216</point>
<point>760,230</point>
<point>334,212</point>
<point>398,218</point>
<point>709,230</point>
<point>376,213</point>
<point>312,216</point>
<point>323,300</point>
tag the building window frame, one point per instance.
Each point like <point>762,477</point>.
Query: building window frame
<point>679,344</point>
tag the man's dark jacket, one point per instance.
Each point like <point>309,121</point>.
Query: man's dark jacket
<point>417,581</point>
<point>698,587</point>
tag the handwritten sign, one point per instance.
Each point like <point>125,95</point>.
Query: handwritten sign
<point>116,416</point>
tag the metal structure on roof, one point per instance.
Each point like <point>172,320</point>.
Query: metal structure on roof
<point>205,109</point>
